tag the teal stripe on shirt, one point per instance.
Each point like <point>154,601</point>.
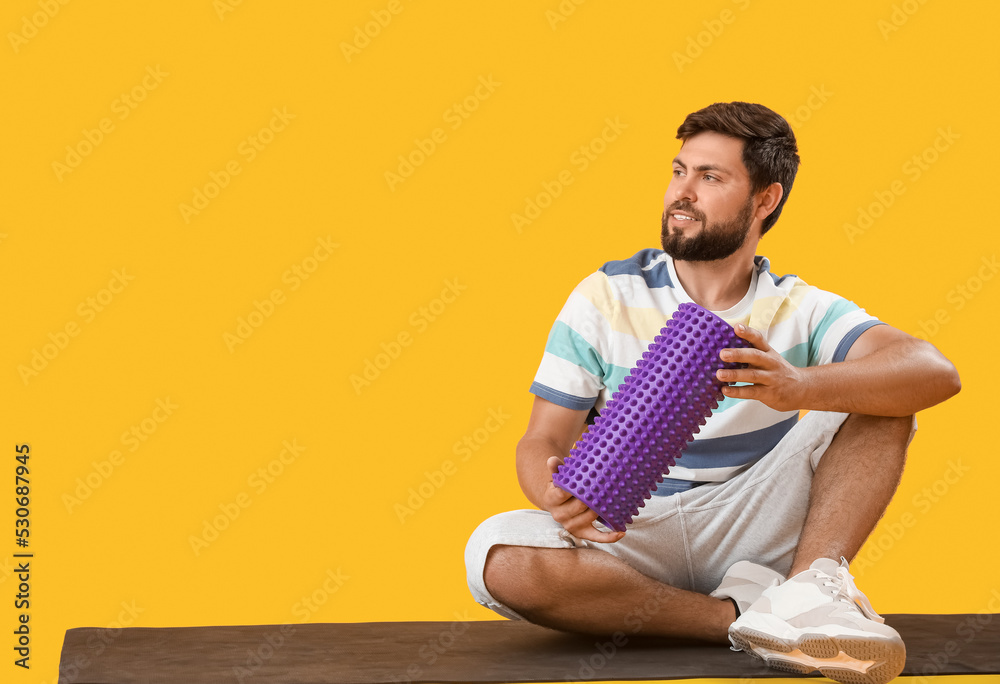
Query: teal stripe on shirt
<point>616,376</point>
<point>836,310</point>
<point>798,355</point>
<point>568,344</point>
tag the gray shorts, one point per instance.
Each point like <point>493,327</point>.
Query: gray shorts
<point>689,540</point>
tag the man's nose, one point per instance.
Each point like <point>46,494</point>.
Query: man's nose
<point>681,189</point>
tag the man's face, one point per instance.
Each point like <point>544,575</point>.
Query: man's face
<point>708,207</point>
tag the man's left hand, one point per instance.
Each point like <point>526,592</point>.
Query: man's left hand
<point>773,381</point>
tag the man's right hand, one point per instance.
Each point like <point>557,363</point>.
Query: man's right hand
<point>552,431</point>
<point>572,513</point>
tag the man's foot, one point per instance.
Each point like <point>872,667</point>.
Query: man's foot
<point>818,620</point>
<point>744,582</point>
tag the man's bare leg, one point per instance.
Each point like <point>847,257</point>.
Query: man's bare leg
<point>590,591</point>
<point>852,486</point>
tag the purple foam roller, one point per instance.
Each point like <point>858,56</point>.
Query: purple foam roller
<point>657,410</point>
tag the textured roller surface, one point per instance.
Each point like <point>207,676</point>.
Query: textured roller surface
<point>657,410</point>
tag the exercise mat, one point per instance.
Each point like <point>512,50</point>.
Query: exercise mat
<point>488,651</point>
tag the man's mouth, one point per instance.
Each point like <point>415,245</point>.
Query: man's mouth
<point>680,219</point>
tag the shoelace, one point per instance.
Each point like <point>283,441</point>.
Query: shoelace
<point>848,591</point>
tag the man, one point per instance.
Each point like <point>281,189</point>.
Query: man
<point>744,539</point>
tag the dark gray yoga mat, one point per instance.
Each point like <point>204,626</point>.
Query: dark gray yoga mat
<point>490,651</point>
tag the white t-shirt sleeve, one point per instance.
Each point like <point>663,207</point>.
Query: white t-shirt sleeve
<point>574,366</point>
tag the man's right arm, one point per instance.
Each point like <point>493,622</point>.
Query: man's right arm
<point>552,432</point>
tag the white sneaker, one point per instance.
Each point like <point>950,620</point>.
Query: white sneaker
<point>744,582</point>
<point>818,620</point>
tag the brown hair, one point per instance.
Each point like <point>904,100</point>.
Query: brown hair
<point>769,150</point>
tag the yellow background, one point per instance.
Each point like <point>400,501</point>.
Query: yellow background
<point>886,97</point>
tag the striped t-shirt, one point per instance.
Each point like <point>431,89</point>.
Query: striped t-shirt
<point>614,314</point>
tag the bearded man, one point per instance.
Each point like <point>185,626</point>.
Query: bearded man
<point>748,538</point>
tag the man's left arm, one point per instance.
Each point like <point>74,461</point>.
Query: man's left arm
<point>886,373</point>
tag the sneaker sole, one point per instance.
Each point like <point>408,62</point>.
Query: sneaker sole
<point>850,660</point>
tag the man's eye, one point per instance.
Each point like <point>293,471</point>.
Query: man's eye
<point>709,176</point>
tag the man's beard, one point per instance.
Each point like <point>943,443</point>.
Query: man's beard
<point>715,241</point>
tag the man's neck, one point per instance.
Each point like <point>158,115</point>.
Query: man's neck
<point>717,285</point>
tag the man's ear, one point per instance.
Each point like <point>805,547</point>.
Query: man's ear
<point>768,199</point>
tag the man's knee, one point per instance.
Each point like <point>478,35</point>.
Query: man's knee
<point>518,575</point>
<point>504,565</point>
<point>873,443</point>
<point>870,440</point>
